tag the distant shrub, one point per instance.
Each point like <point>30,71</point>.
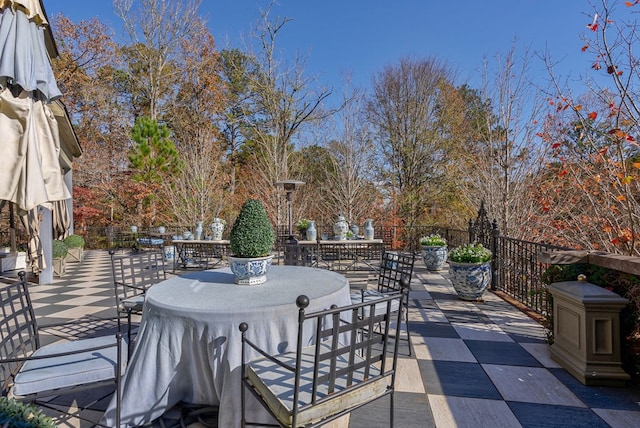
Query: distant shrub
<point>74,241</point>
<point>60,249</point>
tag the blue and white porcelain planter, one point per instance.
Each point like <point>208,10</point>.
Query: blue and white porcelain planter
<point>249,270</point>
<point>434,257</point>
<point>470,279</point>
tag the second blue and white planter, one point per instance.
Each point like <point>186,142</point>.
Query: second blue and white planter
<point>434,257</point>
<point>470,279</point>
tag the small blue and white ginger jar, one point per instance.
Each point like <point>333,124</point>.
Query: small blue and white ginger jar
<point>217,228</point>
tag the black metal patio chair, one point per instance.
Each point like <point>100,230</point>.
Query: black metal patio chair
<point>33,373</point>
<point>133,274</point>
<point>349,364</point>
<point>395,268</point>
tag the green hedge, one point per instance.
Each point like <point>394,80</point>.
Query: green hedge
<point>14,414</point>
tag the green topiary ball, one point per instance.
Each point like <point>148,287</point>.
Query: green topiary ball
<point>59,249</point>
<point>74,241</point>
<point>252,234</point>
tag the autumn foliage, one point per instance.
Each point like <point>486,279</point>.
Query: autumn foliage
<point>564,173</point>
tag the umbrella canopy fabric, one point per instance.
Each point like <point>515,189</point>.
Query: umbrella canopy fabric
<point>31,8</point>
<point>31,222</point>
<point>23,59</point>
<point>61,220</point>
<point>30,164</point>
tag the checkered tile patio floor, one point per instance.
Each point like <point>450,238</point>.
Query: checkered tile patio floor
<point>474,364</point>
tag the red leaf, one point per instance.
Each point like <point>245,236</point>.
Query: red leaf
<point>592,115</point>
<point>556,145</point>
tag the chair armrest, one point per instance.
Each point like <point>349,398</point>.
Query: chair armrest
<point>72,328</point>
<point>268,356</point>
<point>135,287</point>
<point>117,343</point>
<point>243,327</point>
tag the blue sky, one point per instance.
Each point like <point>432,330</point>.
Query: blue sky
<point>362,36</point>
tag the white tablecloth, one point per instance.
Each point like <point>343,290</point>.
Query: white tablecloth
<point>189,348</point>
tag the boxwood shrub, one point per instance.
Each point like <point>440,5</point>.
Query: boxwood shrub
<point>252,234</point>
<point>74,241</point>
<point>59,249</point>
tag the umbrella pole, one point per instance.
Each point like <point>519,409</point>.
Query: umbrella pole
<point>12,227</point>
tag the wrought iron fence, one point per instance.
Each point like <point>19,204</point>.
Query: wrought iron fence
<point>515,265</point>
<point>517,272</point>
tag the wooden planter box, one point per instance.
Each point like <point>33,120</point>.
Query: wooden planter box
<point>74,254</point>
<point>59,266</point>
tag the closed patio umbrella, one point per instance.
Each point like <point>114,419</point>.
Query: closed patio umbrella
<point>30,172</point>
<point>30,164</point>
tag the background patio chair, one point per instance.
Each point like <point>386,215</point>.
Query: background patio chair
<point>200,255</point>
<point>133,274</point>
<point>349,365</point>
<point>395,268</point>
<point>32,373</point>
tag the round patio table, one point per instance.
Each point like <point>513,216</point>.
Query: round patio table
<point>188,348</point>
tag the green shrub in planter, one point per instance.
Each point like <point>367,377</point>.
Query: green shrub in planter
<point>252,234</point>
<point>470,253</point>
<point>74,241</point>
<point>433,240</point>
<point>60,249</point>
<point>14,414</point>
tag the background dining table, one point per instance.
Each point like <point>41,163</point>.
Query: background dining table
<point>188,348</point>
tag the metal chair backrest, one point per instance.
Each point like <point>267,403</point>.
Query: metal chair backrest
<point>18,328</point>
<point>355,335</point>
<point>393,268</point>
<point>299,255</point>
<point>344,358</point>
<point>134,273</point>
